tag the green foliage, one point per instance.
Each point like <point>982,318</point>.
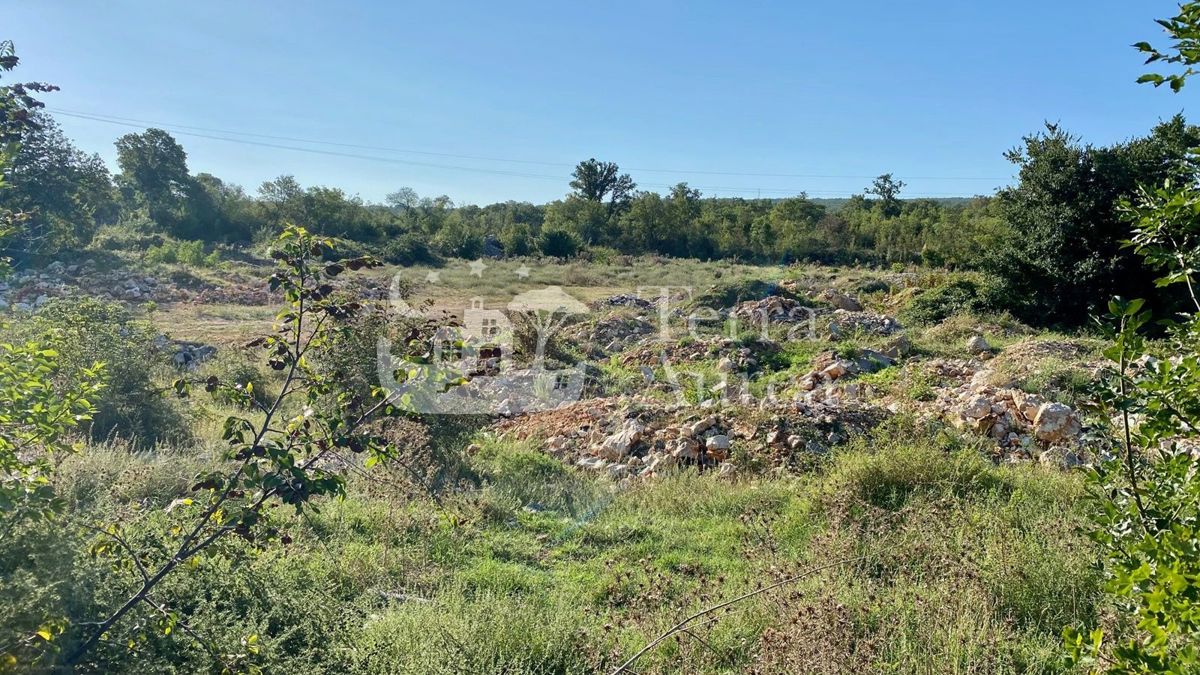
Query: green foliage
<point>270,465</point>
<point>189,253</point>
<point>558,243</point>
<point>65,193</point>
<point>1184,31</point>
<point>408,249</point>
<point>1066,254</point>
<point>1147,504</point>
<point>89,331</point>
<point>35,415</point>
<point>955,296</point>
<point>17,103</point>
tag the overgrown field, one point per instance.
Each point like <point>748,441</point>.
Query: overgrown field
<point>922,545</point>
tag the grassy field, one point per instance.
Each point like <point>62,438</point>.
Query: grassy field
<point>482,554</point>
<point>951,564</point>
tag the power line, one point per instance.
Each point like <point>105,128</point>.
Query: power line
<point>293,139</point>
<point>183,131</point>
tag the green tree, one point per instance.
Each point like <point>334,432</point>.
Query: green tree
<point>154,176</point>
<point>1066,253</point>
<point>66,193</point>
<point>1147,497</point>
<point>558,243</point>
<point>594,181</point>
<point>888,190</point>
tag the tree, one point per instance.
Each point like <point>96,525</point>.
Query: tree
<point>588,220</point>
<point>558,243</point>
<point>154,175</point>
<point>594,181</point>
<point>17,104</point>
<point>1147,496</point>
<point>403,199</point>
<point>1067,252</point>
<point>274,461</point>
<point>888,190</point>
<point>66,193</point>
<point>283,201</point>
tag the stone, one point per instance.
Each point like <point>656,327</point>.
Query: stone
<point>617,445</point>
<point>727,470</point>
<point>725,365</point>
<point>592,463</point>
<point>717,442</point>
<point>700,426</point>
<point>898,347</point>
<point>1056,422</point>
<point>684,448</point>
<point>617,470</point>
<point>977,408</point>
<point>976,344</point>
<point>843,301</point>
<point>835,370</point>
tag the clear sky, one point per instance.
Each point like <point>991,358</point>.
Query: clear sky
<point>828,92</point>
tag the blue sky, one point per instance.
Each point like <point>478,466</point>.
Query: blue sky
<point>708,92</point>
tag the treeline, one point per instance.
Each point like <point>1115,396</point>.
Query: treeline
<point>70,196</point>
<point>1052,243</point>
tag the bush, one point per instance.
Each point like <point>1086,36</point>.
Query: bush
<point>88,331</point>
<point>128,235</point>
<point>408,249</point>
<point>190,253</point>
<point>729,293</point>
<point>957,296</point>
<point>558,243</point>
<point>240,371</point>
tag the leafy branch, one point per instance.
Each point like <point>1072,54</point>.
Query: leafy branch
<point>275,461</point>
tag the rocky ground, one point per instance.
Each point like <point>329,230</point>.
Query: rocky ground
<point>732,419</point>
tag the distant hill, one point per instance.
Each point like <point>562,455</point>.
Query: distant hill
<point>833,204</point>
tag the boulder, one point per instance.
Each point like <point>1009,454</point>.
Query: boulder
<point>1055,423</point>
<point>718,442</point>
<point>835,370</point>
<point>898,347</point>
<point>977,408</point>
<point>843,301</point>
<point>617,445</point>
<point>977,345</point>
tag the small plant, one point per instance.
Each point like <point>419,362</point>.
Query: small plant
<point>1147,496</point>
<point>273,460</point>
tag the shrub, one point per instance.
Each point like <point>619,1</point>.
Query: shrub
<point>957,296</point>
<point>408,249</point>
<point>729,293</point>
<point>240,372</point>
<point>89,331</point>
<point>558,243</point>
<point>190,253</point>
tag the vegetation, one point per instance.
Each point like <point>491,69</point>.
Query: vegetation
<point>297,516</point>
